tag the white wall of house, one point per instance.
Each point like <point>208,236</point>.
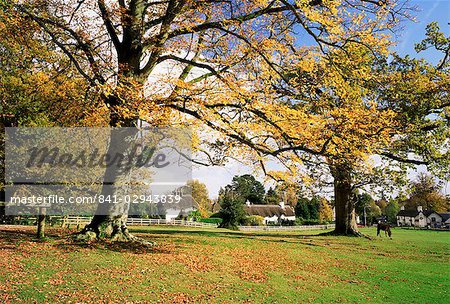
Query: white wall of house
<point>273,219</point>
<point>409,220</point>
<point>434,220</point>
<point>420,220</point>
<point>287,218</point>
<point>405,221</point>
<point>171,214</point>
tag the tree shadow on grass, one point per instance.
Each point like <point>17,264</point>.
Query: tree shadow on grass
<point>12,236</point>
<point>123,247</point>
<point>61,239</point>
<point>223,233</point>
<point>27,233</point>
<point>305,239</point>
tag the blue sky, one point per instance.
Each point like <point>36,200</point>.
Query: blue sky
<point>412,33</point>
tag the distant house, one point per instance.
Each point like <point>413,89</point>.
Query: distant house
<point>434,219</point>
<point>445,219</point>
<point>181,209</point>
<point>406,217</point>
<point>174,213</point>
<point>422,218</point>
<point>271,213</point>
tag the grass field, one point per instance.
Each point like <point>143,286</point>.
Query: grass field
<point>218,266</point>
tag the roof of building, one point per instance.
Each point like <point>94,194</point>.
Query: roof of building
<point>445,216</point>
<point>410,213</point>
<point>269,210</point>
<point>413,213</point>
<point>429,212</point>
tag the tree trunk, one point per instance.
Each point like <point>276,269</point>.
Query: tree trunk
<point>41,224</point>
<point>107,227</point>
<point>109,221</point>
<point>344,204</point>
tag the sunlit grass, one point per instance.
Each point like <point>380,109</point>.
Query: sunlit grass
<point>219,266</point>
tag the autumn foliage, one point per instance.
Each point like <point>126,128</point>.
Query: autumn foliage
<point>308,84</point>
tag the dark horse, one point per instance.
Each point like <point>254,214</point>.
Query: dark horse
<point>385,227</point>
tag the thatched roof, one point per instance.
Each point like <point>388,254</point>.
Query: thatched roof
<point>269,210</point>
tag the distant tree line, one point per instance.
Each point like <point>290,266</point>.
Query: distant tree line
<point>246,188</point>
<point>424,191</point>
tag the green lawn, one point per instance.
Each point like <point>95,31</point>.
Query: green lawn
<point>218,266</point>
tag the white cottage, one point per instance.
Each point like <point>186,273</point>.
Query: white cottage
<point>182,208</point>
<point>174,213</point>
<point>412,218</point>
<point>271,213</point>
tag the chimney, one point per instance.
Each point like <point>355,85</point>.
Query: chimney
<point>247,203</point>
<point>282,205</point>
<point>402,208</point>
<point>419,208</point>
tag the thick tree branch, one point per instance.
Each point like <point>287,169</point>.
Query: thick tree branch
<point>109,26</point>
<point>190,62</point>
<point>156,44</point>
<point>84,46</point>
<point>239,19</point>
<point>404,160</point>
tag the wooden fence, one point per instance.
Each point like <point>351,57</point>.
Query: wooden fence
<point>143,222</point>
<point>286,228</point>
<point>79,221</point>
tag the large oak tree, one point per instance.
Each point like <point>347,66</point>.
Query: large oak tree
<point>303,82</point>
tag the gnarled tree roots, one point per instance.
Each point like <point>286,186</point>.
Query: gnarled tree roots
<point>108,232</point>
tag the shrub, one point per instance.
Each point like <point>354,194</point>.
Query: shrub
<point>232,211</point>
<point>211,220</point>
<point>215,215</point>
<point>253,220</point>
<point>311,222</point>
<point>194,215</point>
<point>298,221</point>
<point>287,223</point>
